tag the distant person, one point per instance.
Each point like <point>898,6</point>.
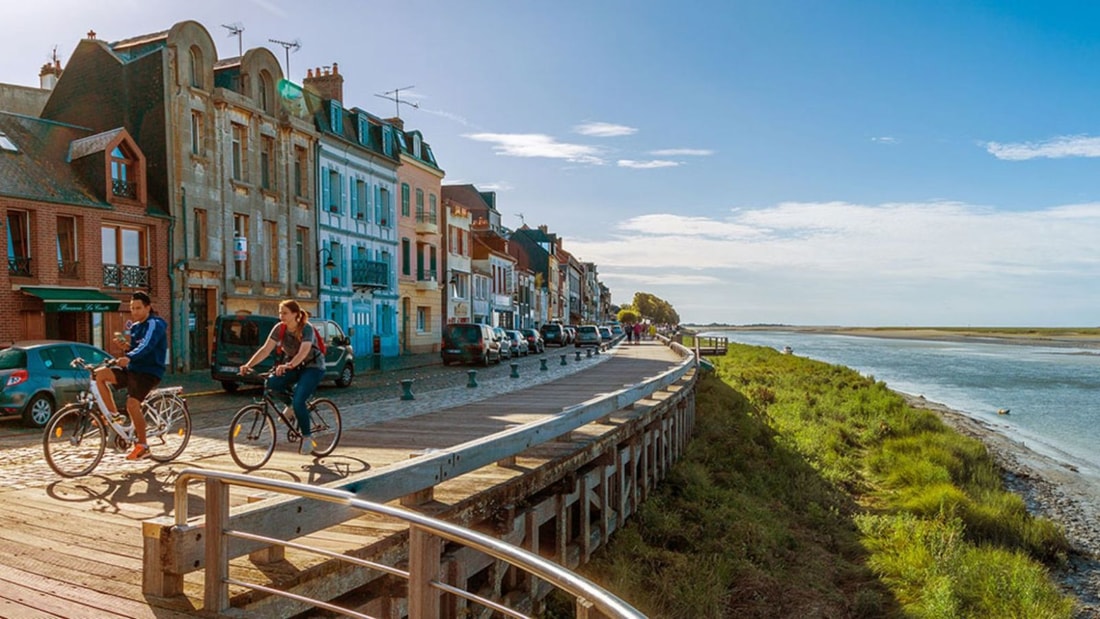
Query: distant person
<point>140,368</point>
<point>638,333</point>
<point>297,378</point>
<point>652,331</point>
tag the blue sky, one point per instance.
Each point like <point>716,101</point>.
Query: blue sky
<point>915,163</point>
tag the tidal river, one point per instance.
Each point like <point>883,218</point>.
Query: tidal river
<point>1052,394</point>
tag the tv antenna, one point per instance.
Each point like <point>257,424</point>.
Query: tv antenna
<point>287,46</point>
<point>522,221</point>
<point>395,96</point>
<point>235,29</point>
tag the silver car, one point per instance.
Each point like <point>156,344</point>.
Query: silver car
<point>588,335</point>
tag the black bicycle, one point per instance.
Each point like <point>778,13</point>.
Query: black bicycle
<point>252,434</point>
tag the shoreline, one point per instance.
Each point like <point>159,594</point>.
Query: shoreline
<point>1063,338</point>
<point>1050,488</point>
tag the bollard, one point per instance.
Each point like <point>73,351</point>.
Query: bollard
<point>407,389</point>
<point>515,370</point>
<point>578,355</point>
<point>599,349</point>
<point>542,364</point>
<point>563,360</point>
<point>588,352</point>
<point>473,378</point>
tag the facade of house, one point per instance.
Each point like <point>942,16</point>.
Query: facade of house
<point>357,232</point>
<point>230,163</point>
<point>458,292</point>
<point>79,236</point>
<point>541,247</point>
<point>420,258</point>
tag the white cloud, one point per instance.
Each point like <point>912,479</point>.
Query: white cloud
<point>604,130</point>
<point>538,145</point>
<point>885,139</point>
<point>682,152</point>
<point>1055,148</point>
<point>647,165</point>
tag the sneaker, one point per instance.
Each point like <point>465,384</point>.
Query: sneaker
<point>141,450</point>
<point>307,446</point>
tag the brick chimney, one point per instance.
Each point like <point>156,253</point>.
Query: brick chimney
<point>49,74</point>
<point>397,122</point>
<point>329,85</point>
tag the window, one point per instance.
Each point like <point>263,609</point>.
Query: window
<point>67,265</point>
<point>420,205</point>
<point>336,116</point>
<point>200,242</point>
<point>301,250</point>
<point>383,207</point>
<point>336,252</point>
<point>196,68</point>
<point>240,152</point>
<point>364,131</point>
<point>416,145</point>
<point>7,144</point>
<point>423,319</point>
<point>19,250</point>
<point>387,140</point>
<point>123,180</point>
<point>271,230</point>
<point>333,191</point>
<point>240,229</point>
<point>361,189</point>
<point>125,257</point>
<point>196,133</point>
<point>433,208</point>
<point>266,96</point>
<point>406,257</point>
<point>299,171</point>
<point>404,199</point>
<point>267,162</point>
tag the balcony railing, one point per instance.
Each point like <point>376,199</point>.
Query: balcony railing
<point>124,189</point>
<point>370,274</point>
<point>19,266</point>
<point>426,223</point>
<point>121,276</point>
<point>68,268</point>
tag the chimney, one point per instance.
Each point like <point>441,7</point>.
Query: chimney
<point>50,73</point>
<point>397,122</point>
<point>91,34</point>
<point>329,85</point>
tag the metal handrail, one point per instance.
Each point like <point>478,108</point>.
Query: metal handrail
<point>580,588</point>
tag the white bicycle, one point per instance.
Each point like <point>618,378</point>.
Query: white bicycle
<point>78,434</point>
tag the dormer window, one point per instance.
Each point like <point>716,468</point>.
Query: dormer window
<point>195,58</point>
<point>123,173</point>
<point>7,144</point>
<point>416,145</point>
<point>335,116</point>
<point>387,140</point>
<point>364,131</point>
<point>266,95</point>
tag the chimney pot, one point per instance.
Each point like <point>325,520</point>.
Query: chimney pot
<point>334,69</point>
<point>91,34</point>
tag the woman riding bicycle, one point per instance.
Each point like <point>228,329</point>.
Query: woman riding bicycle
<point>294,336</point>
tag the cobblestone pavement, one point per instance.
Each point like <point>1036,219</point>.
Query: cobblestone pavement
<point>373,398</point>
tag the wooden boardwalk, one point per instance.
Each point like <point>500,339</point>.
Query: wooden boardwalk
<point>73,548</point>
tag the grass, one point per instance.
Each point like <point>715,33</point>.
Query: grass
<point>811,491</point>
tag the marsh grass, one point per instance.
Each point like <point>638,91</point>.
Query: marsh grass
<point>812,491</point>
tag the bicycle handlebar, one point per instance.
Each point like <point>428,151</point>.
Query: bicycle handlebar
<point>81,364</point>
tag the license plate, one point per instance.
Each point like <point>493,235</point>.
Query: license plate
<point>229,369</point>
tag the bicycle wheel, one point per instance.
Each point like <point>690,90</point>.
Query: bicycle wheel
<point>167,426</point>
<point>325,424</point>
<point>74,441</point>
<point>251,437</point>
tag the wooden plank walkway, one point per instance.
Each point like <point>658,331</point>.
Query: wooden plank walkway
<point>73,548</point>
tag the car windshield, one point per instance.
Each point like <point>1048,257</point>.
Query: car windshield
<point>13,359</point>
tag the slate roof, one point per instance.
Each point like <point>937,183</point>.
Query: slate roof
<point>40,169</point>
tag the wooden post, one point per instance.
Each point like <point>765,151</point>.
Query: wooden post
<point>424,562</point>
<point>216,592</point>
<point>155,579</point>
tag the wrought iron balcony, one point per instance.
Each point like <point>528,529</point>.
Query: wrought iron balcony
<point>426,223</point>
<point>124,189</point>
<point>19,266</point>
<point>119,276</point>
<point>369,274</point>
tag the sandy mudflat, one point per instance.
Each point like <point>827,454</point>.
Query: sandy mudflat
<point>1051,488</point>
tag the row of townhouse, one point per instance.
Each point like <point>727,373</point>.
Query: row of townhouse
<point>220,187</point>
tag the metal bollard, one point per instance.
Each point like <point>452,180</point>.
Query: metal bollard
<point>473,378</point>
<point>578,355</point>
<point>407,389</point>
<point>515,370</point>
<point>588,352</point>
<point>563,360</point>
<point>542,364</point>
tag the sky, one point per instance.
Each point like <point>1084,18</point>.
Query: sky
<point>809,162</point>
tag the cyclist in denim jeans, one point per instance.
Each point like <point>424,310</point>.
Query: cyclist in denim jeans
<point>303,364</point>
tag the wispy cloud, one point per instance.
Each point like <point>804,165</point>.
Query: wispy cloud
<point>682,152</point>
<point>271,7</point>
<point>538,145</point>
<point>604,130</point>
<point>885,139</point>
<point>1055,148</point>
<point>647,165</point>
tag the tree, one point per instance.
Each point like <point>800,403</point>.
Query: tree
<point>627,315</point>
<point>655,309</point>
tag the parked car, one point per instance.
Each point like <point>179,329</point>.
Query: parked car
<point>238,336</point>
<point>570,334</point>
<point>553,334</point>
<point>36,378</point>
<point>616,329</point>
<point>535,343</point>
<point>469,342</point>
<point>518,342</point>
<point>588,335</point>
<point>605,334</point>
<point>505,344</point>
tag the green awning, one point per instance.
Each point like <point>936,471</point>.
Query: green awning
<point>73,299</point>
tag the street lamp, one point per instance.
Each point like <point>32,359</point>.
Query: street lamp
<point>329,264</point>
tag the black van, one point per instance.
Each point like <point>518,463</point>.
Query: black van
<point>469,342</point>
<point>238,336</point>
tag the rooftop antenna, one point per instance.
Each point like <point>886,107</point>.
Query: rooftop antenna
<point>287,46</point>
<point>395,96</point>
<point>235,29</point>
<point>522,221</point>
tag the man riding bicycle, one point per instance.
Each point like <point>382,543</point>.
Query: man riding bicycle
<point>305,366</point>
<point>140,369</point>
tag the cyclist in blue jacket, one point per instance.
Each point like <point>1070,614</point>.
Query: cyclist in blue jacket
<point>140,369</point>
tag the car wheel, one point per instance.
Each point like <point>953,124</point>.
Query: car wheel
<point>230,386</point>
<point>38,411</point>
<point>348,373</point>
